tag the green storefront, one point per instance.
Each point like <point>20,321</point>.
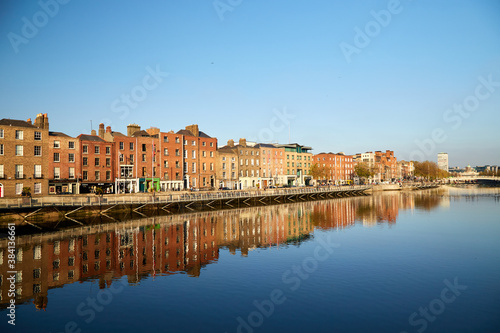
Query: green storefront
<point>147,184</point>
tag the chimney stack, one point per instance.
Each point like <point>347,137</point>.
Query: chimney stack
<point>132,128</point>
<point>92,132</point>
<point>230,143</point>
<point>108,129</point>
<point>28,121</point>
<point>243,142</point>
<point>193,129</point>
<point>101,130</point>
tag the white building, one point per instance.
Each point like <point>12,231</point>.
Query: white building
<point>443,161</point>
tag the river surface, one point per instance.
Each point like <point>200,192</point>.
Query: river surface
<point>422,261</point>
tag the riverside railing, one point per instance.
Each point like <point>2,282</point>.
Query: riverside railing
<point>163,197</point>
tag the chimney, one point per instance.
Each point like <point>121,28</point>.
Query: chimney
<point>243,142</point>
<point>193,129</point>
<point>230,143</point>
<point>153,131</point>
<point>39,121</point>
<point>132,128</point>
<point>101,130</point>
<point>28,121</point>
<point>108,129</point>
<point>92,132</point>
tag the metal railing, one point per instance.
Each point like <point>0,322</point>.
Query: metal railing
<point>162,197</point>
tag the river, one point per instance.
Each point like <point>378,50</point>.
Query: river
<point>389,262</point>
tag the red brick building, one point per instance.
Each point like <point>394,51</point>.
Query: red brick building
<point>339,168</point>
<point>64,164</point>
<point>23,156</point>
<point>97,164</point>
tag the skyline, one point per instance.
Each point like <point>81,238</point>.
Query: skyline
<point>428,74</point>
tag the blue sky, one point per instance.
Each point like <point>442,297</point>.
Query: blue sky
<point>242,68</point>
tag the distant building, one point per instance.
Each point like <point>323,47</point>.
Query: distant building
<point>443,161</point>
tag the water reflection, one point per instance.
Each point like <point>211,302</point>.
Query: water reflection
<point>183,243</point>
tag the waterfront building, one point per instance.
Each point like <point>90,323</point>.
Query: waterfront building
<point>64,172</point>
<point>339,168</point>
<point>227,167</point>
<point>271,164</point>
<point>97,163</point>
<point>442,159</point>
<point>24,148</point>
<point>405,169</point>
<point>298,161</point>
<point>198,158</point>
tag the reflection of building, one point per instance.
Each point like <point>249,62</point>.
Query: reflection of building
<point>181,243</point>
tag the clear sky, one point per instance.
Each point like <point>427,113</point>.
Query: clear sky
<point>417,77</point>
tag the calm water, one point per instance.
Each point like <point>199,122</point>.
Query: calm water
<point>396,262</point>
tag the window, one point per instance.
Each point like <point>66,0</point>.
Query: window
<point>108,175</point>
<point>71,144</point>
<point>144,157</point>
<point>131,146</point>
<point>108,161</point>
<point>85,175</point>
<point>19,188</point>
<point>144,147</point>
<point>108,150</point>
<point>38,150</point>
<point>57,144</point>
<point>177,140</point>
<point>85,149</point>
<point>96,161</point>
<point>185,142</point>
<point>19,150</point>
<point>165,164</point>
<point>1,133</point>
<point>19,135</point>
<point>193,153</point>
<point>97,175</point>
<point>38,136</point>
<point>204,144</point>
<point>143,171</point>
<point>57,173</point>
<point>185,153</point>
<point>56,157</point>
<point>131,158</point>
<point>19,171</point>
<point>205,166</point>
<point>211,144</point>
<point>85,161</point>
<point>72,173</point>
<point>211,167</point>
<point>211,154</point>
<point>37,188</point>
<point>165,139</point>
<point>1,171</point>
<point>193,168</point>
<point>37,252</point>
<point>1,149</point>
<point>71,158</point>
<point>165,152</point>
<point>97,149</point>
<point>120,157</point>
<point>177,152</point>
<point>204,153</point>
<point>38,171</point>
<point>122,145</point>
<point>193,143</point>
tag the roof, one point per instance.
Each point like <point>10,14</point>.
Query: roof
<point>16,123</point>
<point>265,145</point>
<point>59,134</point>
<point>117,134</point>
<point>227,149</point>
<point>186,132</point>
<point>140,133</point>
<point>87,137</point>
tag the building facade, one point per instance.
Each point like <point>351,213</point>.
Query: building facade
<point>442,159</point>
<point>24,148</point>
<point>298,161</point>
<point>64,170</point>
<point>339,168</point>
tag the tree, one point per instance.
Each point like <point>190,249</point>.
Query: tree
<point>362,170</point>
<point>318,172</point>
<point>429,170</point>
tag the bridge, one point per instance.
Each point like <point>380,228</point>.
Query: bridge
<point>472,179</point>
<point>27,209</point>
